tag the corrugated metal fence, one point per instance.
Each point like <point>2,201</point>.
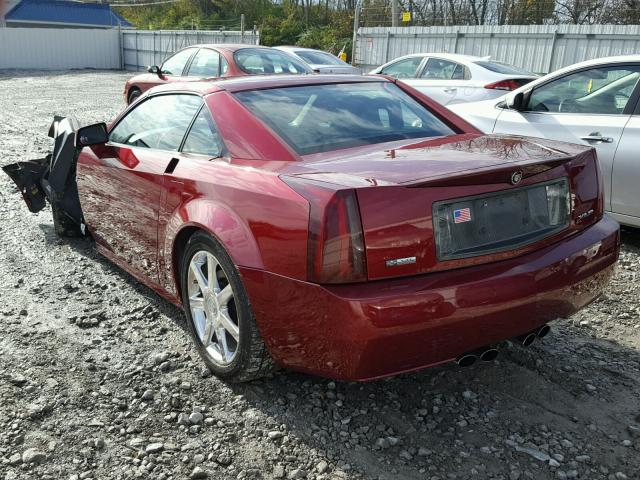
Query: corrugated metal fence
<point>141,48</point>
<point>59,49</point>
<point>62,49</point>
<point>538,48</point>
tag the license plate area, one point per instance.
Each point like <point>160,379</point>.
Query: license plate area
<point>500,221</point>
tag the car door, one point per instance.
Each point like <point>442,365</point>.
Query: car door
<point>590,106</point>
<point>404,68</point>
<point>201,152</point>
<point>625,179</point>
<point>205,64</point>
<point>442,80</point>
<point>121,182</point>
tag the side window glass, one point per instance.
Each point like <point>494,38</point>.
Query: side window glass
<point>203,138</point>
<point>604,90</point>
<point>159,122</point>
<point>404,68</point>
<point>206,63</point>
<point>175,65</point>
<point>438,69</point>
<point>224,66</point>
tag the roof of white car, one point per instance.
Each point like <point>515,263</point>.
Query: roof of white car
<point>458,57</point>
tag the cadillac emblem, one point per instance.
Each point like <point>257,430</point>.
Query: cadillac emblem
<point>516,177</point>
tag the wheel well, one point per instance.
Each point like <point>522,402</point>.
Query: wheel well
<point>179,245</point>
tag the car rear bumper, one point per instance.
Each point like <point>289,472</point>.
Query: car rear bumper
<point>365,331</point>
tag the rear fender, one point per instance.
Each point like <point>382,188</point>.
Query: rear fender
<point>221,223</point>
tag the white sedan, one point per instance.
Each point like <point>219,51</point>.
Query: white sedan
<point>594,103</point>
<point>321,62</point>
<point>449,79</point>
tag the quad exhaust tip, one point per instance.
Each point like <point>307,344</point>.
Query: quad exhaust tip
<point>543,331</point>
<point>489,355</point>
<point>486,354</point>
<point>527,339</point>
<point>530,337</point>
<point>466,360</point>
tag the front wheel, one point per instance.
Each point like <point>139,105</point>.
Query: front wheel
<point>218,313</point>
<point>133,95</point>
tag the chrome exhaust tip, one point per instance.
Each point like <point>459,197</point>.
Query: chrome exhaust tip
<point>466,360</point>
<point>527,339</point>
<point>489,355</point>
<point>543,331</point>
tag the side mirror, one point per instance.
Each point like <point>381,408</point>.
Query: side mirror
<point>155,69</point>
<point>516,101</point>
<point>92,135</point>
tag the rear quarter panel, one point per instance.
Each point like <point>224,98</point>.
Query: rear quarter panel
<point>257,218</point>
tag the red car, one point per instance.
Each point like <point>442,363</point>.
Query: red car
<point>343,226</point>
<point>200,62</point>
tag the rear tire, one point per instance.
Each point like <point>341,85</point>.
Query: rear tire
<point>63,225</point>
<point>134,93</point>
<point>218,312</point>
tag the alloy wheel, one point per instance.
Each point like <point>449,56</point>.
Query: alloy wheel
<point>212,306</point>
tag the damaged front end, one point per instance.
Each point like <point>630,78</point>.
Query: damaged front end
<point>53,179</point>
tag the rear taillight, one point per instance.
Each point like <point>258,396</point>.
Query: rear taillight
<point>335,251</point>
<point>503,85</point>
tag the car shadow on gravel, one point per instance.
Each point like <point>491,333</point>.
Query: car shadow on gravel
<point>85,246</point>
<point>630,237</point>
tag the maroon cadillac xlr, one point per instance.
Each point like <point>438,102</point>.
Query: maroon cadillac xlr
<point>343,226</point>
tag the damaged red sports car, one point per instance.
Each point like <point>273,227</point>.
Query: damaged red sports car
<point>343,226</point>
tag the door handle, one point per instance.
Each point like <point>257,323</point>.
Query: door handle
<point>450,90</point>
<point>172,165</point>
<point>597,137</point>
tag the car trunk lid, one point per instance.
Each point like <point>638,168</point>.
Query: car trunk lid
<point>439,160</point>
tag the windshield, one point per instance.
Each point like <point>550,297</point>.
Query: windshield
<point>318,58</point>
<point>504,68</point>
<point>321,118</point>
<point>257,61</point>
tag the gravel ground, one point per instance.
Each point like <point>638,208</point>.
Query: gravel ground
<point>98,378</point>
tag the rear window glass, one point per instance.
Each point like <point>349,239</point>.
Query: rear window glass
<point>258,61</point>
<point>318,58</point>
<point>322,118</point>
<point>503,68</point>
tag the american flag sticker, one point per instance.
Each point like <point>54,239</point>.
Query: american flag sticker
<point>461,215</point>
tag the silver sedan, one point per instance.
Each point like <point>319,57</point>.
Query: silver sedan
<point>321,62</point>
<point>594,103</point>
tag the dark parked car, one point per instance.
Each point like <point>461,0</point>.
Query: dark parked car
<point>344,226</point>
<point>200,62</point>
